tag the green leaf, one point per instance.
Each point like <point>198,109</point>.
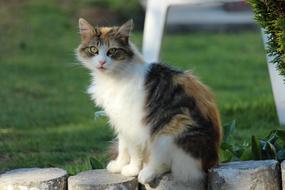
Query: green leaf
<point>263,144</point>
<point>229,129</point>
<point>273,138</point>
<point>225,155</point>
<point>281,135</point>
<point>268,151</point>
<point>246,155</point>
<point>255,148</point>
<point>238,150</point>
<point>277,146</point>
<point>226,145</point>
<point>95,163</point>
<point>281,155</point>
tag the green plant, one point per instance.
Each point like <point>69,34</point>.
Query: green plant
<point>270,147</point>
<point>271,16</point>
<point>230,150</point>
<point>96,163</point>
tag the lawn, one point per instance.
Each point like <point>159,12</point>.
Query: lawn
<point>46,117</point>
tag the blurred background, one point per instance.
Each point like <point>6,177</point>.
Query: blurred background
<point>46,117</point>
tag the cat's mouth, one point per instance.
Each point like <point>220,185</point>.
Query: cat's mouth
<point>101,68</point>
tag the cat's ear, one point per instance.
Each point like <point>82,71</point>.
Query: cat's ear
<point>125,30</point>
<point>86,30</point>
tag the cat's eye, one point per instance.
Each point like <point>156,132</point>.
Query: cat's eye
<point>93,50</point>
<point>112,51</point>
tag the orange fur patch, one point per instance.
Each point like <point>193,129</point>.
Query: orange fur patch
<point>205,99</point>
<point>104,31</point>
<point>177,125</point>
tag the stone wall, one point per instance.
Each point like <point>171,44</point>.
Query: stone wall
<point>247,175</point>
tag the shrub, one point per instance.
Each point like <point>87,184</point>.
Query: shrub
<point>270,14</point>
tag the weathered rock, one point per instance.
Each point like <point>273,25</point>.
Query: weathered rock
<point>34,179</point>
<point>101,180</point>
<point>167,182</point>
<point>283,174</point>
<point>246,175</point>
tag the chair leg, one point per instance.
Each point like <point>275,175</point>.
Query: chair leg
<point>156,13</point>
<point>278,86</point>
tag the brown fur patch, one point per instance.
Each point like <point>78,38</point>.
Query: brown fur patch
<point>205,99</point>
<point>105,30</point>
<point>105,34</point>
<point>206,104</point>
<point>177,124</point>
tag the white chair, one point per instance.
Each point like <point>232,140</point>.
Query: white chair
<point>278,85</point>
<point>155,18</point>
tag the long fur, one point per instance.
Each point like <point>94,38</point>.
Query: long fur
<point>165,119</point>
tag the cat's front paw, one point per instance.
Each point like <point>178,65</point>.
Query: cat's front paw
<point>114,166</point>
<point>130,170</point>
<point>146,175</point>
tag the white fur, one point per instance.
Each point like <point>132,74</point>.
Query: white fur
<point>165,156</point>
<point>120,91</point>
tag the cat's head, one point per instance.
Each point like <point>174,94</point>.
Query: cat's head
<point>105,49</point>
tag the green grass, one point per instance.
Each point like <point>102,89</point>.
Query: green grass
<point>46,117</point>
<point>234,66</point>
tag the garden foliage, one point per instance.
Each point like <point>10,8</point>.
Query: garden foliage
<point>271,16</point>
<point>270,147</point>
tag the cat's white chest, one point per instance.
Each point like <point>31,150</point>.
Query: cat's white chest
<point>123,101</point>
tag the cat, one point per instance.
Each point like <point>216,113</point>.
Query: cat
<point>165,119</point>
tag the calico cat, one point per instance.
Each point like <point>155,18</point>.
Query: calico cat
<point>165,119</point>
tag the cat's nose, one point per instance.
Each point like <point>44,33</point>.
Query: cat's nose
<point>102,63</point>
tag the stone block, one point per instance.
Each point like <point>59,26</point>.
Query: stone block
<point>101,180</point>
<point>34,179</point>
<point>167,182</point>
<point>246,175</point>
